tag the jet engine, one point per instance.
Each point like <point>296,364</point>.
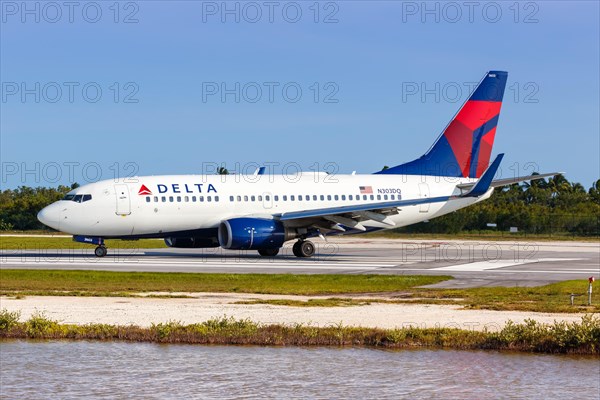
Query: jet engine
<point>253,234</point>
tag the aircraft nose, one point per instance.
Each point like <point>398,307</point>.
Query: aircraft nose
<point>49,216</point>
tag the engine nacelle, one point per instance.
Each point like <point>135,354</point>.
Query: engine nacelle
<point>253,234</point>
<point>193,242</point>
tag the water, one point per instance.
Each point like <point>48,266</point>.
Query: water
<point>66,370</point>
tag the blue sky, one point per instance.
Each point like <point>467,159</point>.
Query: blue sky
<point>369,61</point>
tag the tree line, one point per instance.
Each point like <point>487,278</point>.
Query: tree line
<point>544,206</point>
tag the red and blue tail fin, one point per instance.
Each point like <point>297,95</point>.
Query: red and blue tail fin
<point>465,146</point>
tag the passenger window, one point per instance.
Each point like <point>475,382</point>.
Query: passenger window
<point>322,197</point>
<point>259,198</point>
<point>164,199</point>
<point>393,197</point>
<point>239,198</point>
<point>245,198</point>
<point>156,199</point>
<point>186,199</point>
<point>208,198</point>
<point>147,199</point>
<point>276,197</point>
<point>349,197</point>
<point>372,197</point>
<point>193,199</point>
<point>336,197</point>
<point>385,196</point>
<point>307,197</point>
<point>267,198</point>
<point>364,196</point>
<point>284,198</point>
<point>170,199</point>
<point>314,197</point>
<point>216,198</point>
<point>328,197</point>
<point>201,199</point>
<point>179,199</point>
<point>378,197</point>
<point>292,198</point>
<point>230,198</point>
<point>343,197</point>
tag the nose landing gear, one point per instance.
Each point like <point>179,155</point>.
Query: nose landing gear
<point>100,251</point>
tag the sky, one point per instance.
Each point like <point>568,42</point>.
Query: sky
<point>94,90</point>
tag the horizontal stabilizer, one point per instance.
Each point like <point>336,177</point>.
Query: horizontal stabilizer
<point>511,181</point>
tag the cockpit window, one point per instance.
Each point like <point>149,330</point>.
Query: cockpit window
<point>78,198</point>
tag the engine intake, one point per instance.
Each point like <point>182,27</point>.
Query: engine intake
<point>253,234</point>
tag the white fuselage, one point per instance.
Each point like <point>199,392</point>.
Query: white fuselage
<point>159,205</point>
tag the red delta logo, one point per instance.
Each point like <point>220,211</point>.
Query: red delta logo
<point>144,191</point>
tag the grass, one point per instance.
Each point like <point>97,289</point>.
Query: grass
<point>60,243</point>
<point>398,289</point>
<point>532,336</point>
<point>549,298</point>
<point>13,280</point>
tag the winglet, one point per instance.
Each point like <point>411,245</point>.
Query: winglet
<point>484,183</point>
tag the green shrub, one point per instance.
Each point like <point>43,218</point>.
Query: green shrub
<point>8,319</point>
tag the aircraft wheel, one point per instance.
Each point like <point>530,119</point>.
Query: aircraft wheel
<point>100,251</point>
<point>296,248</point>
<point>304,248</point>
<point>268,252</point>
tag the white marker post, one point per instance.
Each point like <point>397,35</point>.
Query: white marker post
<point>590,280</point>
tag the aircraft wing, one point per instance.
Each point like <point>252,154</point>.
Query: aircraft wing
<point>352,216</point>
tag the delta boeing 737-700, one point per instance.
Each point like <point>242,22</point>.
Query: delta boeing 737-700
<point>262,213</point>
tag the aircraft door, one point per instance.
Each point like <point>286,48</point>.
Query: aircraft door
<point>123,200</point>
<point>424,194</point>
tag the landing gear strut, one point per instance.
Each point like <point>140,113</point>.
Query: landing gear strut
<point>303,248</point>
<point>100,251</point>
<point>268,252</point>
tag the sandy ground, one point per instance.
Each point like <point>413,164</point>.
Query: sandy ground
<point>204,306</point>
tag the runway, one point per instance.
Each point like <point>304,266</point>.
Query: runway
<point>471,263</point>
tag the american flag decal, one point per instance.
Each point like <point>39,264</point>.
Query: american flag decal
<point>366,189</point>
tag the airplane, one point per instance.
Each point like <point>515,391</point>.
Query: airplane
<point>263,211</point>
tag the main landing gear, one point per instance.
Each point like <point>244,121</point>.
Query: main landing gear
<point>303,248</point>
<point>100,251</point>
